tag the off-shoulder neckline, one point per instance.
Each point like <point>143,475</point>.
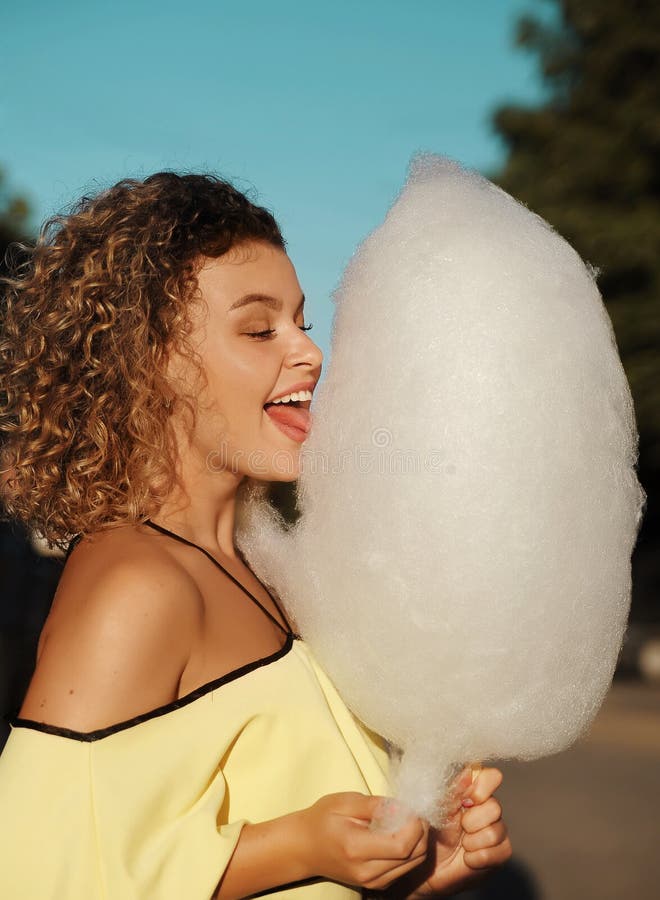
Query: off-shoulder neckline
<point>97,734</point>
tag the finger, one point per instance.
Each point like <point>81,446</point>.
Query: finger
<point>456,790</point>
<point>482,815</point>
<point>390,846</point>
<point>485,784</point>
<point>460,787</point>
<point>360,806</point>
<point>385,874</point>
<point>420,850</point>
<point>388,870</point>
<point>490,836</point>
<point>488,856</point>
<point>421,847</point>
<point>461,782</point>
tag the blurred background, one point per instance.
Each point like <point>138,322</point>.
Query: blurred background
<point>316,108</point>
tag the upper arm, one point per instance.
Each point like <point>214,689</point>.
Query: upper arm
<point>116,642</point>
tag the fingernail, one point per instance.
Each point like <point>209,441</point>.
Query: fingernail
<point>467,802</point>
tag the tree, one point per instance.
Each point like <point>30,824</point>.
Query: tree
<point>588,160</point>
<point>14,212</point>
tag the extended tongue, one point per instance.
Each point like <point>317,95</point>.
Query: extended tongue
<point>296,416</point>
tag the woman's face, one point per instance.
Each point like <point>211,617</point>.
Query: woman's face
<point>248,334</point>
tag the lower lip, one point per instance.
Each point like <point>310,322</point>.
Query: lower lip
<point>296,434</point>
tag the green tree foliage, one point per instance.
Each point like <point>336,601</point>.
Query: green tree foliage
<point>588,161</point>
<point>14,213</point>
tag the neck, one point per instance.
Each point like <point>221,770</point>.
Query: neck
<point>202,508</point>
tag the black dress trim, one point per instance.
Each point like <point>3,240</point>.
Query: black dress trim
<point>18,722</point>
<point>73,543</point>
<point>177,537</point>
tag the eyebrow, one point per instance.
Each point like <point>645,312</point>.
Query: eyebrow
<point>271,302</point>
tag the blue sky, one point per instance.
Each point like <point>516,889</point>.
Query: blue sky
<point>318,106</point>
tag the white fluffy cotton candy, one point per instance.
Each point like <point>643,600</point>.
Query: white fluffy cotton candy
<point>461,566</point>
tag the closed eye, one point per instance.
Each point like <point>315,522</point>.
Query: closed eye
<point>260,334</point>
<point>264,335</point>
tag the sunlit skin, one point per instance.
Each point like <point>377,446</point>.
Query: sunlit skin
<point>233,436</point>
<point>241,372</point>
<point>473,841</point>
<point>106,655</point>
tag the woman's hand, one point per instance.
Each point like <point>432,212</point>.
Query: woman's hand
<point>342,847</point>
<point>330,839</point>
<point>472,842</point>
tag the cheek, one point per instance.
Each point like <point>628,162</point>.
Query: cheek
<point>239,381</point>
<point>236,395</point>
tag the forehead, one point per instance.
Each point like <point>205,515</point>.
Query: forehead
<point>254,269</point>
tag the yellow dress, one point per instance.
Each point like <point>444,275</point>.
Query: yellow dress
<point>152,808</point>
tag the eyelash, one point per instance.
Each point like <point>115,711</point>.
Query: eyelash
<point>266,334</point>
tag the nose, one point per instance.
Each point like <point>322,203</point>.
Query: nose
<point>304,352</point>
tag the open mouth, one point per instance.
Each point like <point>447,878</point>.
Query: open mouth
<point>293,414</point>
<point>299,404</point>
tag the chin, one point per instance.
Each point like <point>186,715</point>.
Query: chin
<point>281,465</point>
<point>284,473</point>
<point>288,479</point>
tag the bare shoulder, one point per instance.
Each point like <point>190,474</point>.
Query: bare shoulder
<point>118,636</point>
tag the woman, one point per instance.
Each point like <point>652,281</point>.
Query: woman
<point>177,738</point>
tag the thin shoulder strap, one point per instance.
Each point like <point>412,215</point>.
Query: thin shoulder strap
<point>72,543</point>
<point>183,540</point>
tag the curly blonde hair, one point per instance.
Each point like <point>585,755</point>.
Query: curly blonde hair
<point>89,314</point>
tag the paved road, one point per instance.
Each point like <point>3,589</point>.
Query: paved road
<point>586,823</point>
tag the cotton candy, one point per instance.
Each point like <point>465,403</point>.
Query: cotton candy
<point>468,496</point>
